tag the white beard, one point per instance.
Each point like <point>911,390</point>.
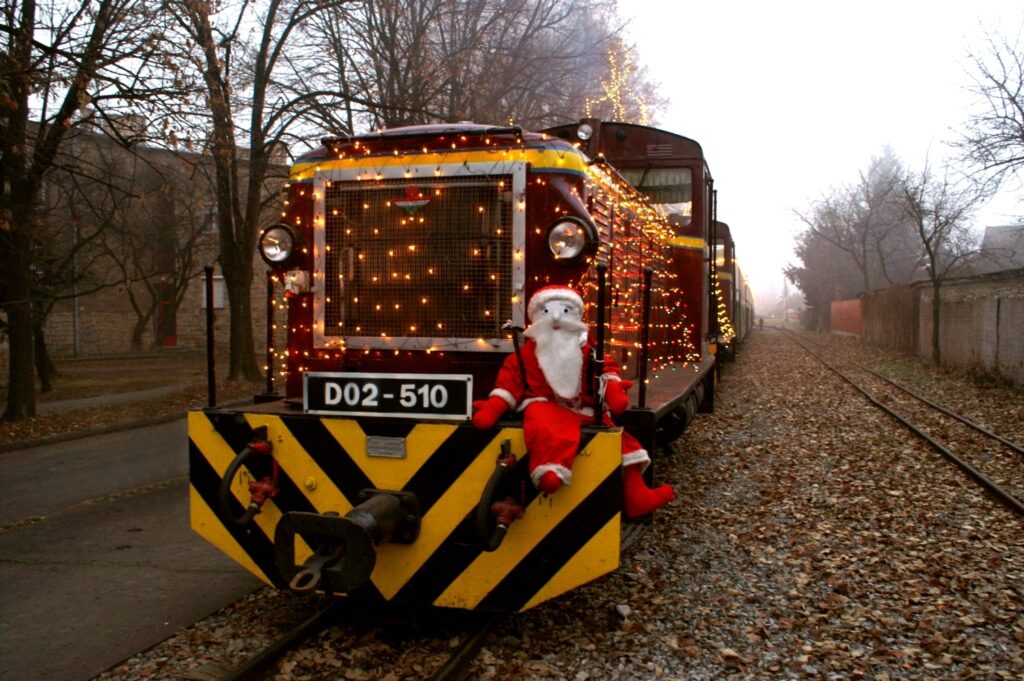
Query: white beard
<point>559,354</point>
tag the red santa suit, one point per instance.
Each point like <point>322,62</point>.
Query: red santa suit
<point>551,424</point>
<point>556,399</point>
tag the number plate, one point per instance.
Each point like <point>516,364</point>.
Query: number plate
<point>433,396</point>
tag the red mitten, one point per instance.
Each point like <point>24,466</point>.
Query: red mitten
<point>615,395</point>
<point>488,411</point>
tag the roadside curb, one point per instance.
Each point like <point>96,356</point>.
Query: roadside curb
<point>103,430</point>
<point>78,434</point>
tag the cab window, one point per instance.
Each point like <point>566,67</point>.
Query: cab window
<point>669,189</point>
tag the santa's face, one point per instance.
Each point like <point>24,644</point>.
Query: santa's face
<point>558,322</point>
<point>559,332</point>
<point>558,310</point>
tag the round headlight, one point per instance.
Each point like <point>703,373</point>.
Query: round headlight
<point>277,243</point>
<point>585,131</point>
<point>569,238</point>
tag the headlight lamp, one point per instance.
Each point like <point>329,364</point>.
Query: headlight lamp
<point>570,237</point>
<point>277,244</point>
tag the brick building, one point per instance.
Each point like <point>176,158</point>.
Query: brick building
<point>142,287</point>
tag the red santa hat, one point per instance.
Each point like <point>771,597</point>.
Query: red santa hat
<point>547,294</point>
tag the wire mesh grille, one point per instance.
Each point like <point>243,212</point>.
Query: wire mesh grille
<point>422,260</point>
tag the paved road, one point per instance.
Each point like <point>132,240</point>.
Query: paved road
<point>97,560</point>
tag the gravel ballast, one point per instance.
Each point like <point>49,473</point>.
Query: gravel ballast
<point>812,537</point>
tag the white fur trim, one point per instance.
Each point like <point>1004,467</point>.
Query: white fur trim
<point>505,395</point>
<point>638,457</point>
<point>531,401</point>
<point>563,473</point>
<point>543,296</point>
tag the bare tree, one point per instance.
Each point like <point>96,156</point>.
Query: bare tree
<point>250,80</point>
<point>55,59</point>
<point>865,223</point>
<point>825,273</point>
<point>627,93</point>
<point>531,62</point>
<point>993,137</point>
<point>940,208</point>
<point>153,208</point>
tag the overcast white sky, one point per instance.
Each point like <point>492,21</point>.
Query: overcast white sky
<point>791,98</point>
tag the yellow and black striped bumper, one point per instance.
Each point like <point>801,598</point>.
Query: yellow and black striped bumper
<point>562,542</point>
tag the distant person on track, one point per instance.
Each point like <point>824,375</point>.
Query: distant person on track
<point>760,324</point>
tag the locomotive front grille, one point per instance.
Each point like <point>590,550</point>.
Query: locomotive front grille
<point>417,259</point>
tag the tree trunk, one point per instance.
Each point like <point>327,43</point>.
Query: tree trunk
<point>139,330</point>
<point>45,367</point>
<point>21,390</point>
<point>242,361</point>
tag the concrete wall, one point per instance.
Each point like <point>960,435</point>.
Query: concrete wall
<point>981,326</point>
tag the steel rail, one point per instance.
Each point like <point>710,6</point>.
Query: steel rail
<point>935,405</point>
<point>1012,502</point>
<point>251,667</point>
<point>457,666</point>
<point>949,412</point>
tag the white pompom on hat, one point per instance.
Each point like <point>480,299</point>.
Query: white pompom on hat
<point>545,295</point>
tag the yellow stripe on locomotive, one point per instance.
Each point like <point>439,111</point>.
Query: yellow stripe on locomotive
<point>322,467</point>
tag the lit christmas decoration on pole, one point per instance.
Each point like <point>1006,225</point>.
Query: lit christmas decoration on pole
<point>618,88</point>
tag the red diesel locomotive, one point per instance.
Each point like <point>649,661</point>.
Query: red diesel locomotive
<point>405,259</point>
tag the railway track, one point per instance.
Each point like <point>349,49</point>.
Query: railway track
<point>472,632</point>
<point>990,460</point>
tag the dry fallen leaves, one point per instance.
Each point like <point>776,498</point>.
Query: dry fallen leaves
<point>812,538</point>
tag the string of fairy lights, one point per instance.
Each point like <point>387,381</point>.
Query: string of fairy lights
<point>725,329</point>
<point>641,236</point>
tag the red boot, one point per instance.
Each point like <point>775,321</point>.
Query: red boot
<point>639,499</point>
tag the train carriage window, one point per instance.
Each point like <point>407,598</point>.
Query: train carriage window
<point>669,189</point>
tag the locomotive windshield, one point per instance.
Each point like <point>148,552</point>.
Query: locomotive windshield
<point>669,189</point>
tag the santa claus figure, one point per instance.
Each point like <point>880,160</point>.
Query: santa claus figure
<point>546,381</point>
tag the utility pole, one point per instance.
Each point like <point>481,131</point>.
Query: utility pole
<point>785,300</point>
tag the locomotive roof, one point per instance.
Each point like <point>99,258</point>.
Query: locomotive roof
<point>435,136</point>
<point>629,145</point>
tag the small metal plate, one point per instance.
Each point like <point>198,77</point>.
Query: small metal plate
<point>385,447</point>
